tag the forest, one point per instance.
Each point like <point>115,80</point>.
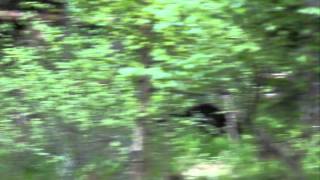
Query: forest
<point>160,89</point>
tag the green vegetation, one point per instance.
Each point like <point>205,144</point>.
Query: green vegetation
<point>79,79</point>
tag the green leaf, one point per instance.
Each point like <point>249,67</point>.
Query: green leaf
<point>310,11</point>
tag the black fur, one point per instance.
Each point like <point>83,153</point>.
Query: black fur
<point>208,115</point>
<point>211,114</point>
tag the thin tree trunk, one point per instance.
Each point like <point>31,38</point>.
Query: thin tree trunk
<point>137,161</point>
<point>231,116</point>
<point>138,156</point>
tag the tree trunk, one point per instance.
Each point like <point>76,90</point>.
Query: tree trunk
<point>138,154</point>
<point>231,116</point>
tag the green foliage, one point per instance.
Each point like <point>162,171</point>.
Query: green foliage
<point>311,162</point>
<point>69,96</point>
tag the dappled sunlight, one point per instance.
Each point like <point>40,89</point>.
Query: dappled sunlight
<point>208,170</point>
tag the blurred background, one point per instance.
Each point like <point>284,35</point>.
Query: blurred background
<point>101,89</point>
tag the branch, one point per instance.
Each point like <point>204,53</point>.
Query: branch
<point>14,15</point>
<point>10,15</point>
<point>266,141</point>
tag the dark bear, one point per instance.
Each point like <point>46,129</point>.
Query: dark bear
<point>208,115</point>
<point>211,114</point>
